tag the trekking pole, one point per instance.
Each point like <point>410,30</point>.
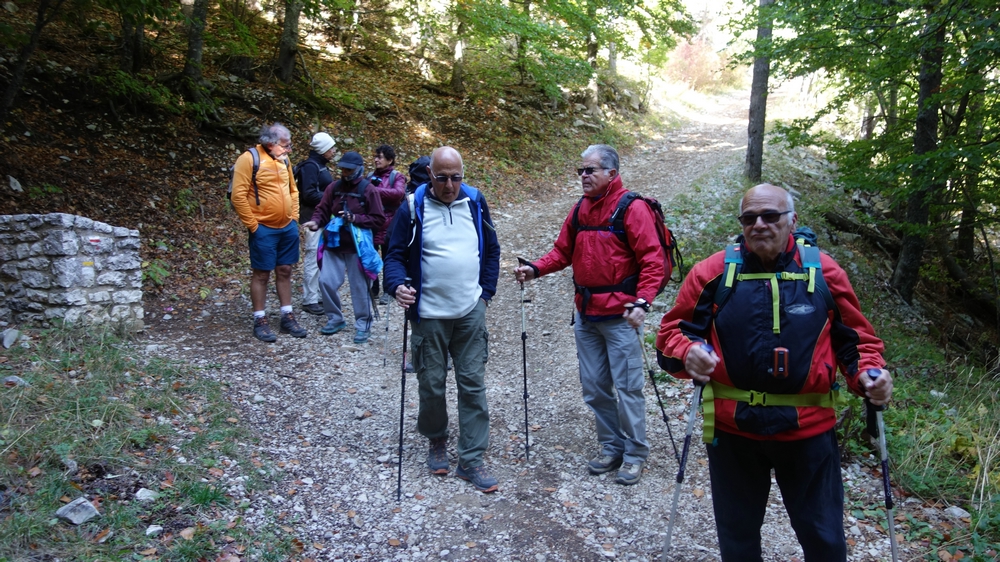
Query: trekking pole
<point>402,400</point>
<point>524,363</point>
<point>695,400</point>
<point>876,427</point>
<point>385,342</point>
<point>652,380</point>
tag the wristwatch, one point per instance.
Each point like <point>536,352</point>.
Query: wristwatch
<point>641,303</point>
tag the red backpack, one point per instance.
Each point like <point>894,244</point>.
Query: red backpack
<point>616,224</point>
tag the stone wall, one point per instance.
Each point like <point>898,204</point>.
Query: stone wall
<point>60,266</point>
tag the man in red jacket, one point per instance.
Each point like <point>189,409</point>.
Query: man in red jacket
<point>608,274</point>
<point>765,324</point>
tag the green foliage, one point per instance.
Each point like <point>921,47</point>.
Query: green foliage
<point>233,35</point>
<point>137,90</point>
<point>155,271</point>
<point>92,400</point>
<point>46,189</point>
<point>185,202</point>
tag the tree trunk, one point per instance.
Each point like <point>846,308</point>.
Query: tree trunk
<point>458,66</point>
<point>966,244</point>
<point>925,185</point>
<point>868,122</point>
<point>289,46</point>
<point>47,11</point>
<point>592,93</point>
<point>758,98</point>
<point>196,41</point>
<point>522,47</point>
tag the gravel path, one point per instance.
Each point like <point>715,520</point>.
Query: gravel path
<point>327,412</point>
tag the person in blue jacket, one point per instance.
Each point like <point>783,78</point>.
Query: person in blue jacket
<point>443,239</point>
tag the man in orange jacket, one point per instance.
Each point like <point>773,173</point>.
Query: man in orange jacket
<point>267,203</point>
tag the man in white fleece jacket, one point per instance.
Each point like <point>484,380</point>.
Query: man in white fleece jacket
<point>445,242</point>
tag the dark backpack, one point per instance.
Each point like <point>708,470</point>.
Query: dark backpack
<point>616,224</point>
<point>359,192</point>
<point>297,170</point>
<point>418,173</point>
<point>253,176</point>
<point>805,240</point>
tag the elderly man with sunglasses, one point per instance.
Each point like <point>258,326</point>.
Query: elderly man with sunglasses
<point>609,274</point>
<point>443,240</point>
<point>764,325</point>
<point>267,203</point>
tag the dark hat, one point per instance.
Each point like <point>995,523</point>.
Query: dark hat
<point>351,160</point>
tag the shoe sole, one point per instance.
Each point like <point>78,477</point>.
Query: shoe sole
<point>326,332</point>
<point>301,334</point>
<point>319,312</point>
<point>625,482</point>
<point>489,490</point>
<point>439,471</point>
<point>609,468</point>
<point>267,339</point>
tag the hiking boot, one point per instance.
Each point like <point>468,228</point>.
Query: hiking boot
<point>437,456</point>
<point>262,330</point>
<point>629,474</point>
<point>384,299</point>
<point>313,308</point>
<point>290,326</point>
<point>332,327</point>
<point>361,336</point>
<point>479,478</point>
<point>603,463</point>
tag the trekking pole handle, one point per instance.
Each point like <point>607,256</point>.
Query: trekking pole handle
<point>874,374</point>
<point>708,349</point>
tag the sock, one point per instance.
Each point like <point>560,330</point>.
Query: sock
<point>286,309</point>
<point>259,314</point>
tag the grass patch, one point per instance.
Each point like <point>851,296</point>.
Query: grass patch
<point>95,420</point>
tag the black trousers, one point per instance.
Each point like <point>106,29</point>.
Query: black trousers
<point>808,475</point>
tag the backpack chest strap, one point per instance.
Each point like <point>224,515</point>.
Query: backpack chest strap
<point>721,391</point>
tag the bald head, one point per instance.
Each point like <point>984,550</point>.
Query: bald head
<point>767,213</point>
<point>764,187</point>
<point>446,164</point>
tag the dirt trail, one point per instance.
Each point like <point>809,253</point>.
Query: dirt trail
<point>327,411</point>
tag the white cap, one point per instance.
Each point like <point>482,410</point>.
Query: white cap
<point>322,142</point>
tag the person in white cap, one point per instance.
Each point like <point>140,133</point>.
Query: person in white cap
<point>313,177</point>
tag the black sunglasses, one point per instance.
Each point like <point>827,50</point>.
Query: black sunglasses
<point>770,217</point>
<point>456,179</point>
<point>589,170</point>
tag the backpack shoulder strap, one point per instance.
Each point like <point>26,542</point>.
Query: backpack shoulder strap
<point>617,218</point>
<point>253,175</point>
<point>411,201</point>
<point>814,267</point>
<point>734,259</point>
